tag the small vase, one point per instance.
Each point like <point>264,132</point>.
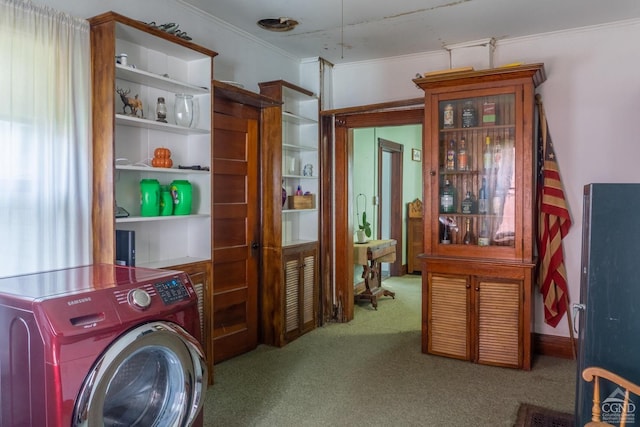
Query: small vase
<point>361,236</point>
<point>284,196</point>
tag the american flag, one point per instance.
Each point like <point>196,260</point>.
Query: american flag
<point>553,225</point>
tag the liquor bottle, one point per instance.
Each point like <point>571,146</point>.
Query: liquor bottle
<point>447,198</point>
<point>483,201</point>
<point>448,116</point>
<point>497,153</point>
<point>468,115</point>
<point>467,204</point>
<point>487,156</point>
<point>468,234</point>
<point>483,236</point>
<point>451,156</point>
<point>463,156</point>
<point>498,199</point>
<point>446,235</point>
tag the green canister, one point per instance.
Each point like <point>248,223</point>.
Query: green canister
<point>181,192</point>
<point>149,197</point>
<point>166,201</point>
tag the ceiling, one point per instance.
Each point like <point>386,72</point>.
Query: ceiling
<point>343,31</point>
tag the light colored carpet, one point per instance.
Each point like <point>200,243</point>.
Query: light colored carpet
<point>371,372</point>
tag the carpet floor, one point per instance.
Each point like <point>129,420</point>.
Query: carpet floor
<point>371,372</point>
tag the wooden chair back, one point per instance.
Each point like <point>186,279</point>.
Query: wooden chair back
<point>594,373</point>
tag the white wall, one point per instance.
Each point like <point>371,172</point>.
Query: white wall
<point>241,57</point>
<point>591,98</point>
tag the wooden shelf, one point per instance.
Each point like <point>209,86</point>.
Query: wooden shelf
<point>125,120</point>
<point>154,170</point>
<point>136,75</point>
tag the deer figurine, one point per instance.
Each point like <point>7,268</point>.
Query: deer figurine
<point>134,103</point>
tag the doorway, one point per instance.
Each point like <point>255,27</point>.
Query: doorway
<point>338,127</point>
<point>390,178</point>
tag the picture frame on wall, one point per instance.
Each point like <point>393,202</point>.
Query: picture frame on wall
<point>416,154</point>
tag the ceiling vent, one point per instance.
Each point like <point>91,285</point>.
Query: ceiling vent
<point>278,24</point>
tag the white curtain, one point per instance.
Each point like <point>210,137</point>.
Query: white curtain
<point>45,125</point>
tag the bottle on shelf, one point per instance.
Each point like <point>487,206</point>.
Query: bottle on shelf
<point>489,113</point>
<point>463,156</point>
<point>469,238</point>
<point>497,200</point>
<point>467,204</point>
<point>497,153</point>
<point>483,200</point>
<point>448,116</point>
<point>446,235</point>
<point>469,115</point>
<point>447,198</point>
<point>487,156</point>
<point>451,156</point>
<point>299,191</point>
<point>483,236</point>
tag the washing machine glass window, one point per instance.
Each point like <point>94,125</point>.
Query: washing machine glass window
<point>152,376</point>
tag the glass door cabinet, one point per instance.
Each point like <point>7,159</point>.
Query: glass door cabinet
<point>479,214</point>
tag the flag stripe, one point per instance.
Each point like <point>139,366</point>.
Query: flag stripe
<point>553,225</point>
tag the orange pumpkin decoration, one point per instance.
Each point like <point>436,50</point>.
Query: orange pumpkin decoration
<point>161,152</point>
<point>161,158</point>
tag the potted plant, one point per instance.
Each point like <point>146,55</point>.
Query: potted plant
<point>364,226</point>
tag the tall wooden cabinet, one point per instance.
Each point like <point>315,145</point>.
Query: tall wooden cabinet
<point>479,214</point>
<point>159,65</point>
<point>290,165</point>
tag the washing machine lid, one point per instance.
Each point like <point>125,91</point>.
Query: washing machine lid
<point>52,284</point>
<point>153,375</point>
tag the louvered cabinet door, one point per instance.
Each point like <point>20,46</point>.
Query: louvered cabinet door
<point>291,295</point>
<point>499,322</point>
<point>300,290</point>
<point>448,316</point>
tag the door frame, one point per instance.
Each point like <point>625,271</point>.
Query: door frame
<point>395,229</point>
<point>337,156</point>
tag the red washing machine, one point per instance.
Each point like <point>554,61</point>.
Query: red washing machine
<point>100,345</point>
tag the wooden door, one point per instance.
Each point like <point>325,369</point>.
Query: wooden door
<point>390,207</point>
<point>235,236</point>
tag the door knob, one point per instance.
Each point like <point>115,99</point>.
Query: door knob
<point>255,245</point>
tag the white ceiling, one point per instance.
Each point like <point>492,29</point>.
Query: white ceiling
<point>353,30</point>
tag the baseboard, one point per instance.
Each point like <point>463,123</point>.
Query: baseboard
<point>553,345</point>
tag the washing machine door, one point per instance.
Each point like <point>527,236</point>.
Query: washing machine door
<point>153,375</point>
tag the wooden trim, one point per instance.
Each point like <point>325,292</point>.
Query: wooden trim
<point>418,103</point>
<point>243,96</point>
<point>532,72</point>
<point>283,83</point>
<point>142,26</point>
<point>553,345</point>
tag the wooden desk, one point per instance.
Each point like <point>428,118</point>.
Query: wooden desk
<point>370,255</point>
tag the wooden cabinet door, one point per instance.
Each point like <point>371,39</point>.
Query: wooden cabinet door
<point>300,291</point>
<point>498,323</point>
<point>235,231</point>
<point>448,316</point>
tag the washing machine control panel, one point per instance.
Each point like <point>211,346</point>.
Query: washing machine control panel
<point>172,291</point>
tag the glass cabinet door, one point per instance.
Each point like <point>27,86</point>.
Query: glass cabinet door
<point>477,171</point>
